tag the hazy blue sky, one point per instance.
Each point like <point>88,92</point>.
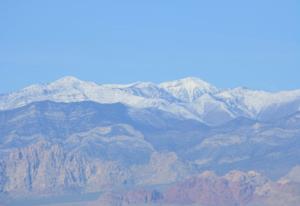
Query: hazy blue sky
<point>228,43</point>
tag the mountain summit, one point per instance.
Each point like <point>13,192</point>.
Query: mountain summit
<point>188,89</point>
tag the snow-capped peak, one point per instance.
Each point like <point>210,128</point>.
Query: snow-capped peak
<point>188,89</point>
<point>70,81</point>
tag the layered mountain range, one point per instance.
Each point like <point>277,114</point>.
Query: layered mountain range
<point>183,142</point>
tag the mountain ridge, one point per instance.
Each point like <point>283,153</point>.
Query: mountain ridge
<point>188,97</point>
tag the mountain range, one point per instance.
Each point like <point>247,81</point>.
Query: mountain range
<point>186,98</point>
<point>183,142</point>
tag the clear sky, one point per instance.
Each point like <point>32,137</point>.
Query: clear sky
<point>227,43</point>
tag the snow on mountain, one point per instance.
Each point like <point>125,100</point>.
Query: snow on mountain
<point>253,102</point>
<point>188,89</point>
<point>68,89</point>
<point>186,98</point>
<point>147,90</point>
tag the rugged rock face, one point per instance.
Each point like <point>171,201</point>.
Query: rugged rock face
<point>45,168</point>
<point>235,188</point>
<point>203,189</point>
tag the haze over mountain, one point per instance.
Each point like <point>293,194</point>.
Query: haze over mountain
<point>181,142</point>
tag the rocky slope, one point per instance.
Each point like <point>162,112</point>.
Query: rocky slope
<point>208,189</point>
